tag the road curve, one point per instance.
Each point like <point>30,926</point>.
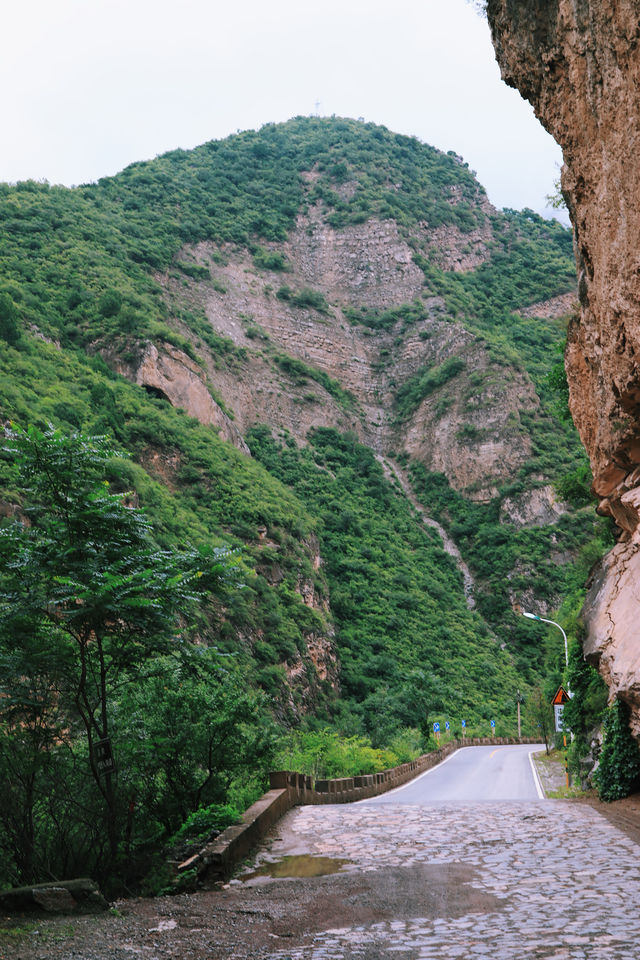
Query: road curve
<point>472,775</point>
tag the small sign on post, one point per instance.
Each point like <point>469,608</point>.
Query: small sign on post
<point>464,728</point>
<point>561,697</point>
<point>436,730</point>
<point>103,757</point>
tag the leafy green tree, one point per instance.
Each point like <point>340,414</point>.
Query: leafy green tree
<point>584,712</point>
<point>189,727</point>
<point>32,729</point>
<point>110,303</point>
<point>539,713</point>
<point>9,326</point>
<point>81,569</point>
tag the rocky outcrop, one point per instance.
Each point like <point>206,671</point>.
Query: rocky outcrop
<point>611,616</point>
<point>58,896</point>
<point>532,508</point>
<point>170,373</point>
<point>562,306</point>
<point>365,264</point>
<point>578,63</point>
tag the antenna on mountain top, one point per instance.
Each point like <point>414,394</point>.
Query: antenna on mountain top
<point>317,106</point>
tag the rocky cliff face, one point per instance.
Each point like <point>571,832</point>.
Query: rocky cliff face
<point>578,63</point>
<point>468,429</point>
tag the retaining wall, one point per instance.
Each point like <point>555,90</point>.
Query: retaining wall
<point>288,789</point>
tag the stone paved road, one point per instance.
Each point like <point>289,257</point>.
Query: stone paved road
<point>542,879</point>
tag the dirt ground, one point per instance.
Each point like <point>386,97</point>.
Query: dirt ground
<point>623,814</point>
<point>247,921</point>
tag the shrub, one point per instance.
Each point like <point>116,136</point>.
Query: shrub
<point>620,758</point>
<point>9,327</point>
<point>270,259</point>
<point>109,303</point>
<point>200,824</point>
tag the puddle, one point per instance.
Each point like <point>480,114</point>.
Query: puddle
<point>303,865</point>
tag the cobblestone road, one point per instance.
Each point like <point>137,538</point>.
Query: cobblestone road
<point>536,879</point>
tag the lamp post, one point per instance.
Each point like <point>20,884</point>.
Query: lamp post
<point>534,616</point>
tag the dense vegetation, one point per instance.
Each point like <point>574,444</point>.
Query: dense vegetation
<point>92,660</point>
<point>406,635</point>
<point>195,724</point>
<point>509,562</point>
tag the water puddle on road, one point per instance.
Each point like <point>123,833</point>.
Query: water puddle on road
<point>303,865</point>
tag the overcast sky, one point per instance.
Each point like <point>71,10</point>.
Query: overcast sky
<point>89,86</point>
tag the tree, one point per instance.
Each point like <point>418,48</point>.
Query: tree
<point>110,303</point>
<point>9,325</point>
<point>540,715</point>
<point>189,727</point>
<point>80,574</point>
<point>584,712</point>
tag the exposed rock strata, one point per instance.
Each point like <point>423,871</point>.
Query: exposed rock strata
<point>533,508</point>
<point>561,306</point>
<point>370,265</point>
<point>578,63</point>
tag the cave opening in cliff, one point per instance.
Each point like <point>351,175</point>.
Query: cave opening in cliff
<point>156,392</point>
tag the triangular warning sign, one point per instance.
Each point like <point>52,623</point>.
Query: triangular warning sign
<point>561,697</point>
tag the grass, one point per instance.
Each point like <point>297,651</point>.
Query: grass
<point>50,930</point>
<point>552,773</point>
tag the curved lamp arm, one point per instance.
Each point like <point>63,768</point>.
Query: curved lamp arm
<point>534,616</point>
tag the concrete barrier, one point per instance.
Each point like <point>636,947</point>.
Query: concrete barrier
<point>289,789</point>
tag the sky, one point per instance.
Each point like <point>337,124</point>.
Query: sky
<point>89,86</point>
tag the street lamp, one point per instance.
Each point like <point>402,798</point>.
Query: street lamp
<point>534,616</point>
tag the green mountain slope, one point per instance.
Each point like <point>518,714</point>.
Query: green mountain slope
<point>345,304</point>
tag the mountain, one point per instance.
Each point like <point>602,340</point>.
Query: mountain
<point>319,343</point>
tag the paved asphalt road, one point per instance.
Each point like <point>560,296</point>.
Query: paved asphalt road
<point>471,775</point>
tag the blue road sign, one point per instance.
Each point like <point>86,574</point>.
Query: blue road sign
<point>464,724</point>
<point>446,726</point>
<point>493,723</point>
<point>436,728</point>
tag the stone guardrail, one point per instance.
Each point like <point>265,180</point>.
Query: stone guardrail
<point>288,789</point>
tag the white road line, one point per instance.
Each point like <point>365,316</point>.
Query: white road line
<point>536,778</point>
<point>409,782</point>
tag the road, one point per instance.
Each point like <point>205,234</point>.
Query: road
<point>471,775</point>
<point>479,878</point>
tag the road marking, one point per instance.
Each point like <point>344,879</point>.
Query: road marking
<point>409,782</point>
<point>536,778</point>
<point>494,752</point>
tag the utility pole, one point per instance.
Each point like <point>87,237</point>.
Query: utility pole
<point>518,703</point>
